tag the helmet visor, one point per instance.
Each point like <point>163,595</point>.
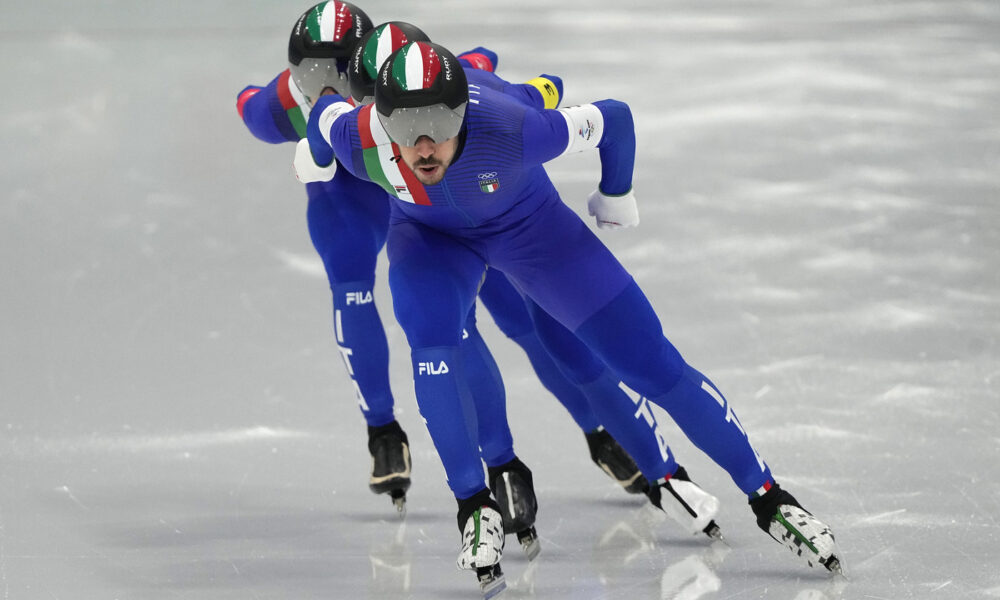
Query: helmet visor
<point>438,122</point>
<point>313,75</point>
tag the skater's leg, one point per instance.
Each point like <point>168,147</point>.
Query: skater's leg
<point>506,305</point>
<point>487,390</point>
<point>630,423</point>
<point>348,235</point>
<point>575,278</point>
<point>433,280</point>
<point>627,334</point>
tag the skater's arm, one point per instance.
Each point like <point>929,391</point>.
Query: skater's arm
<point>331,133</point>
<point>479,58</point>
<point>606,125</point>
<point>544,91</point>
<point>272,113</point>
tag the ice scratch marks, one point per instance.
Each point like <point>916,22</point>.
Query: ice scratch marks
<point>183,442</point>
<point>882,517</point>
<point>309,265</point>
<point>65,490</point>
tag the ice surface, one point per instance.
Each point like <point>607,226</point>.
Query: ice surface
<point>818,185</point>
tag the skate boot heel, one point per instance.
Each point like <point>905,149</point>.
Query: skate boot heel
<point>532,546</point>
<point>515,495</point>
<point>613,460</point>
<point>686,503</point>
<point>390,472</point>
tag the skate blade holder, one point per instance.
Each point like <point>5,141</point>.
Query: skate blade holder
<point>713,531</point>
<point>399,501</point>
<point>532,546</point>
<point>491,581</point>
<point>833,565</point>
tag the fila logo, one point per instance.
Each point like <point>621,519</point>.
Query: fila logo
<point>428,368</point>
<point>359,298</point>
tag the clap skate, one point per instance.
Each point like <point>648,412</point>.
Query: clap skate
<point>482,542</point>
<point>390,474</point>
<point>613,460</point>
<point>781,516</point>
<point>686,503</point>
<point>513,488</point>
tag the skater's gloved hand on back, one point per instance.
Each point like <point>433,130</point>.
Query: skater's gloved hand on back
<point>613,212</point>
<point>313,154</point>
<point>306,169</point>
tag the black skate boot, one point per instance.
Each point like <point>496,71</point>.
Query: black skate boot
<point>686,503</point>
<point>390,452</point>
<point>514,490</point>
<point>481,525</point>
<point>781,516</point>
<point>613,460</point>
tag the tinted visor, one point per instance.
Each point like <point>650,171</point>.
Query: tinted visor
<point>437,121</point>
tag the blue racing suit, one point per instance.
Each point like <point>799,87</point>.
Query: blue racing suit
<point>348,220</point>
<point>497,207</point>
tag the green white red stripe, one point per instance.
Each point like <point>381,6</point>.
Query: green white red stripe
<point>378,153</point>
<point>294,103</point>
<point>386,40</point>
<point>329,22</point>
<point>416,67</point>
<point>763,489</point>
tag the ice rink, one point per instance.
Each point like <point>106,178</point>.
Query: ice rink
<point>818,183</point>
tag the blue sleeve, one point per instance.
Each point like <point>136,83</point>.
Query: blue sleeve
<point>539,90</point>
<point>525,93</point>
<point>617,147</point>
<point>479,58</point>
<point>263,114</point>
<point>546,135</point>
<point>345,140</point>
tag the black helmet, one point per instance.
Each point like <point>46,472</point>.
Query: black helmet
<point>371,52</point>
<point>421,90</point>
<point>321,43</point>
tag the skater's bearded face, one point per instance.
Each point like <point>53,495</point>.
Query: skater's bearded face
<point>428,159</point>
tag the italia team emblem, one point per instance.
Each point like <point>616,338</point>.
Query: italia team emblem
<point>488,182</point>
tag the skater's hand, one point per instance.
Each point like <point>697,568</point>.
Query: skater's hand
<point>613,212</point>
<point>306,169</point>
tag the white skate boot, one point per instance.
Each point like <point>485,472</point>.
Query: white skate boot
<point>482,542</point>
<point>783,518</point>
<point>691,507</point>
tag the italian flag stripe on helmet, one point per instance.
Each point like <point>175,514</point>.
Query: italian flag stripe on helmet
<point>389,39</point>
<point>416,67</point>
<point>329,22</point>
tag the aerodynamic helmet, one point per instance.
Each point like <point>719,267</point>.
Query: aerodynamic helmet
<point>421,90</point>
<point>320,46</point>
<point>371,52</point>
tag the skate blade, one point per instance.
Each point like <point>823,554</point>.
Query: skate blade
<point>713,531</point>
<point>491,581</point>
<point>833,565</point>
<point>399,501</point>
<point>530,543</point>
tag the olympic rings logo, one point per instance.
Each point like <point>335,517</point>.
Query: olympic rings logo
<point>488,175</point>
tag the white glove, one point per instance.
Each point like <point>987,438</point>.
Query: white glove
<point>306,168</point>
<point>613,212</point>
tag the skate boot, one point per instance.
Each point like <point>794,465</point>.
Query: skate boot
<point>481,525</point>
<point>613,460</point>
<point>781,516</point>
<point>390,463</point>
<point>514,490</point>
<point>683,501</point>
